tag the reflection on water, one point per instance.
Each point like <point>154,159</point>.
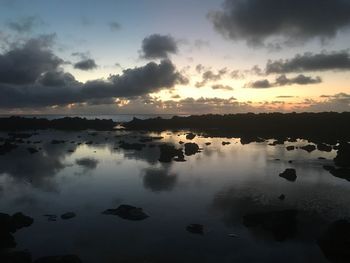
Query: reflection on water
<point>217,187</point>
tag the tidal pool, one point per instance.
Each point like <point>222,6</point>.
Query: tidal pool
<point>89,172</point>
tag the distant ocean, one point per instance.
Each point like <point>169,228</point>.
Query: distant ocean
<point>114,117</point>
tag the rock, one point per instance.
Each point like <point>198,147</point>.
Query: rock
<point>51,217</point>
<point>59,259</point>
<point>282,224</point>
<point>20,220</point>
<point>309,148</point>
<point>127,212</point>
<point>335,242</point>
<point>68,215</point>
<point>282,197</point>
<point>324,147</point>
<point>290,148</point>
<point>168,152</point>
<point>181,142</point>
<point>289,174</point>
<point>190,136</point>
<point>342,172</point>
<point>321,158</point>
<point>191,148</point>
<point>225,143</point>
<point>343,155</point>
<point>195,229</point>
<point>208,143</point>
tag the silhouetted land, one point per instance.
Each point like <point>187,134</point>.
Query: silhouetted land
<point>327,127</point>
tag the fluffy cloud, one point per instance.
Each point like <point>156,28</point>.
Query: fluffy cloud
<point>255,21</point>
<point>221,87</point>
<point>24,64</point>
<point>86,64</point>
<point>339,60</point>
<point>158,46</point>
<point>209,76</point>
<point>282,80</point>
<point>30,77</point>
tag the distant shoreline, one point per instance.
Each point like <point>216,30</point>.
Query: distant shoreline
<point>325,126</point>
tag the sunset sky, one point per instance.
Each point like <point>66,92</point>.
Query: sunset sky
<point>182,57</point>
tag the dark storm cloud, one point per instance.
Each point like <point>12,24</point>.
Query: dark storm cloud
<point>114,26</point>
<point>158,46</point>
<point>24,24</point>
<point>282,80</point>
<point>339,60</point>
<point>38,82</point>
<point>86,64</point>
<point>24,64</point>
<point>256,20</point>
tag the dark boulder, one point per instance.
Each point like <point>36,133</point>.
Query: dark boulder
<point>127,212</point>
<point>289,174</point>
<point>290,148</point>
<point>190,136</point>
<point>343,155</point>
<point>191,148</point>
<point>132,146</point>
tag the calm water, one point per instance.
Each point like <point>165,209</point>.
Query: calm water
<point>215,187</point>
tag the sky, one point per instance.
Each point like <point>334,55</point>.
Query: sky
<point>174,57</point>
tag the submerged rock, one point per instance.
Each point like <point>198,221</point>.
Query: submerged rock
<point>195,229</point>
<point>289,174</point>
<point>309,148</point>
<point>290,148</point>
<point>127,212</point>
<point>343,155</point>
<point>191,148</point>
<point>282,224</point>
<point>324,147</point>
<point>32,150</point>
<point>190,136</point>
<point>225,143</point>
<point>68,215</point>
<point>335,242</point>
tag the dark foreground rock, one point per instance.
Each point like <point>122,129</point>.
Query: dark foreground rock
<point>68,215</point>
<point>342,172</point>
<point>127,212</point>
<point>195,229</point>
<point>324,147</point>
<point>191,148</point>
<point>289,174</point>
<point>343,155</point>
<point>282,224</point>
<point>335,242</point>
<point>7,147</point>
